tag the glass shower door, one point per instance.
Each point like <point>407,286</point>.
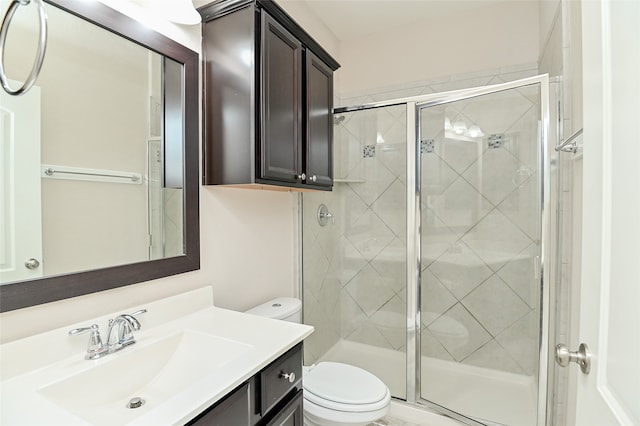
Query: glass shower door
<point>354,267</point>
<point>480,201</point>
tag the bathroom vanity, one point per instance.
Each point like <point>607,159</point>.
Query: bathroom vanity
<point>192,363</point>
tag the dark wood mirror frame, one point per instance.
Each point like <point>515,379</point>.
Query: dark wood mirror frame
<point>49,289</point>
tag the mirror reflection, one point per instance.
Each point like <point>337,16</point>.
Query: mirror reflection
<point>91,163</point>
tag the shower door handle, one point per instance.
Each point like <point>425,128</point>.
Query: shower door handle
<point>582,357</point>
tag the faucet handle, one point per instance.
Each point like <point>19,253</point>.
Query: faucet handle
<point>140,312</point>
<point>95,348</point>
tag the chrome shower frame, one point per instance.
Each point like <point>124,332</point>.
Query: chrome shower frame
<point>413,224</point>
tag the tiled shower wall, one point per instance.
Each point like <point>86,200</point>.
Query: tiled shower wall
<point>354,270</point>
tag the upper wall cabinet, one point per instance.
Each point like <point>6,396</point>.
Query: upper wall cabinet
<point>268,99</point>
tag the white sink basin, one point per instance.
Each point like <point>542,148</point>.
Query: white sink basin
<point>154,372</point>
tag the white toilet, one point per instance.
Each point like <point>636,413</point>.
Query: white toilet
<point>335,394</point>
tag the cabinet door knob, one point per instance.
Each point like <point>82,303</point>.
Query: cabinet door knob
<point>302,176</point>
<point>313,178</point>
<point>291,377</point>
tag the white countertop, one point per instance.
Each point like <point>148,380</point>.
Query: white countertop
<point>31,365</point>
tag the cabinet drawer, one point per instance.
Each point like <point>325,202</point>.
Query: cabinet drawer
<point>291,414</point>
<point>280,377</point>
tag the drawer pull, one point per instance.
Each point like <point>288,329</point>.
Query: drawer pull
<point>291,377</point>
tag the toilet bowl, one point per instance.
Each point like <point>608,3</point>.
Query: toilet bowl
<point>335,394</point>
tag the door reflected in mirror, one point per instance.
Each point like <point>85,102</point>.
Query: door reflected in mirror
<point>86,154</point>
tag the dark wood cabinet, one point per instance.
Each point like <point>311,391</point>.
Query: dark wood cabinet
<point>268,99</point>
<point>272,397</point>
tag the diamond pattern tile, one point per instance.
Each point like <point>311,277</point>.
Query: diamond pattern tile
<point>495,305</point>
<point>351,316</point>
<point>377,179</point>
<point>391,264</point>
<point>391,208</point>
<point>435,176</point>
<point>522,206</point>
<point>459,333</point>
<point>352,206</point>
<point>431,347</point>
<point>391,322</point>
<point>521,342</point>
<point>518,273</point>
<point>436,299</point>
<point>460,270</point>
<point>494,174</point>
<point>369,235</point>
<point>497,112</point>
<point>496,240</point>
<point>460,206</point>
<point>459,154</point>
<point>436,237</point>
<point>370,290</point>
<point>350,261</point>
<point>493,356</point>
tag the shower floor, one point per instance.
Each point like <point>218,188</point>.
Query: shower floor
<point>495,396</point>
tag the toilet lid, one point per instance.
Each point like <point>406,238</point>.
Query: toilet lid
<point>331,383</point>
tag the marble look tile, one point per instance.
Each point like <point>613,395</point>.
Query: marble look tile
<point>351,315</point>
<point>436,299</point>
<point>522,206</point>
<point>496,240</point>
<point>521,342</point>
<point>391,264</point>
<point>495,305</point>
<point>496,113</point>
<point>518,273</point>
<point>350,261</point>
<point>493,174</point>
<point>460,206</point>
<point>459,332</point>
<point>370,235</point>
<point>431,347</point>
<point>435,177</point>
<point>370,290</point>
<point>391,208</point>
<point>493,356</point>
<point>437,237</point>
<point>460,270</point>
<point>391,322</point>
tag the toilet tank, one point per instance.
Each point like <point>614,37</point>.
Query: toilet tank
<point>282,308</point>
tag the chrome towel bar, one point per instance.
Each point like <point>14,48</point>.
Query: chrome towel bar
<point>569,144</point>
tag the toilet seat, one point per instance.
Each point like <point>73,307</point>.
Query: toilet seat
<point>345,388</point>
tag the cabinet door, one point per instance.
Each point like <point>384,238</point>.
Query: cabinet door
<point>319,119</point>
<point>291,414</point>
<point>281,103</point>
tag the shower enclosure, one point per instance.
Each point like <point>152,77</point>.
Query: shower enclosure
<point>433,270</point>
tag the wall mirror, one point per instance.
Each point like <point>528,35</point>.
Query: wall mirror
<point>99,160</point>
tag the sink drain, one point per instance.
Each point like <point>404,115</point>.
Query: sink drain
<point>136,402</point>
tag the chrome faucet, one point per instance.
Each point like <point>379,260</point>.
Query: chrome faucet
<point>119,336</point>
